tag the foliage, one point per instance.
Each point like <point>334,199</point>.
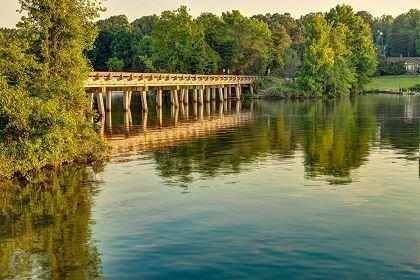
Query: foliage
<point>318,56</point>
<point>178,45</point>
<point>405,34</point>
<point>273,87</point>
<point>386,67</point>
<point>339,53</point>
<point>44,111</point>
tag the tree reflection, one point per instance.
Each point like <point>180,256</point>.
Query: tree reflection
<point>45,228</point>
<point>335,137</point>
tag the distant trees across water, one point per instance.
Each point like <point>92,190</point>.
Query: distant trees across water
<point>330,53</point>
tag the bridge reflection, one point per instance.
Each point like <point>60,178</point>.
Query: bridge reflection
<point>131,132</point>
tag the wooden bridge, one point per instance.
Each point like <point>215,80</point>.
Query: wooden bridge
<point>204,88</point>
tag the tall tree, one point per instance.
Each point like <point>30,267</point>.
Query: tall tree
<point>405,34</point>
<point>109,30</point>
<point>318,57</point>
<point>43,104</point>
<point>362,56</point>
<point>178,45</point>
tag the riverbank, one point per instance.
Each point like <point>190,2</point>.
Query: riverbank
<point>278,88</point>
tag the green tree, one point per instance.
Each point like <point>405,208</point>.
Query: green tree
<point>405,34</point>
<point>358,39</point>
<point>103,50</point>
<point>178,45</point>
<point>43,106</point>
<point>318,57</point>
<point>142,57</point>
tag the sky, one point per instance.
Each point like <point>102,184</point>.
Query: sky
<point>137,8</point>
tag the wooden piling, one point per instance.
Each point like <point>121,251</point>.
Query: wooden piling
<point>208,94</point>
<point>108,101</point>
<point>176,101</point>
<point>186,96</point>
<point>195,95</point>
<point>159,98</point>
<point>221,94</point>
<point>201,96</point>
<point>144,100</point>
<point>100,102</point>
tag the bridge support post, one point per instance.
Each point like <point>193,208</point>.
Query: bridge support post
<point>159,98</point>
<point>181,95</point>
<point>221,94</point>
<point>100,102</point>
<point>201,96</point>
<point>251,89</point>
<point>213,94</point>
<point>109,101</point>
<point>144,99</point>
<point>225,93</point>
<point>126,101</point>
<point>186,97</point>
<point>208,92</point>
<point>238,94</point>
<point>195,95</point>
<point>176,102</point>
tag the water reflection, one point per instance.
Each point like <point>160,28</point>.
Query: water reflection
<point>45,229</point>
<point>335,137</point>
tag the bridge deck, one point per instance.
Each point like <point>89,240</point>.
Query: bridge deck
<point>124,79</point>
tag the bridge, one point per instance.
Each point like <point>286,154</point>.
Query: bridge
<point>204,88</point>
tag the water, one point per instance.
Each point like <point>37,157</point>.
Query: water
<point>295,190</point>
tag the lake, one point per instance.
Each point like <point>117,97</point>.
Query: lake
<point>261,190</point>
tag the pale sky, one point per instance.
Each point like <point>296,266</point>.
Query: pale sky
<point>137,8</point>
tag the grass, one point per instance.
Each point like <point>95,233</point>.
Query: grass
<point>393,83</point>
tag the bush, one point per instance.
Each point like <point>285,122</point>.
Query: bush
<point>386,67</point>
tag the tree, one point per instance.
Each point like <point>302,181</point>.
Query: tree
<point>43,106</point>
<point>404,38</point>
<point>362,54</point>
<point>109,30</point>
<point>142,57</point>
<point>178,45</point>
<point>318,55</point>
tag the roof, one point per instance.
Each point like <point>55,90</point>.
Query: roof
<point>405,59</point>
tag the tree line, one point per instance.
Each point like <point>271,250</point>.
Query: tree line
<point>330,53</point>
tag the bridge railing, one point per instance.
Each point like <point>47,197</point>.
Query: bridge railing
<point>166,78</point>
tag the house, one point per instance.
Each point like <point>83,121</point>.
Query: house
<point>412,64</point>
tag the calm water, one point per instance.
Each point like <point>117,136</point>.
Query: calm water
<point>272,190</point>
